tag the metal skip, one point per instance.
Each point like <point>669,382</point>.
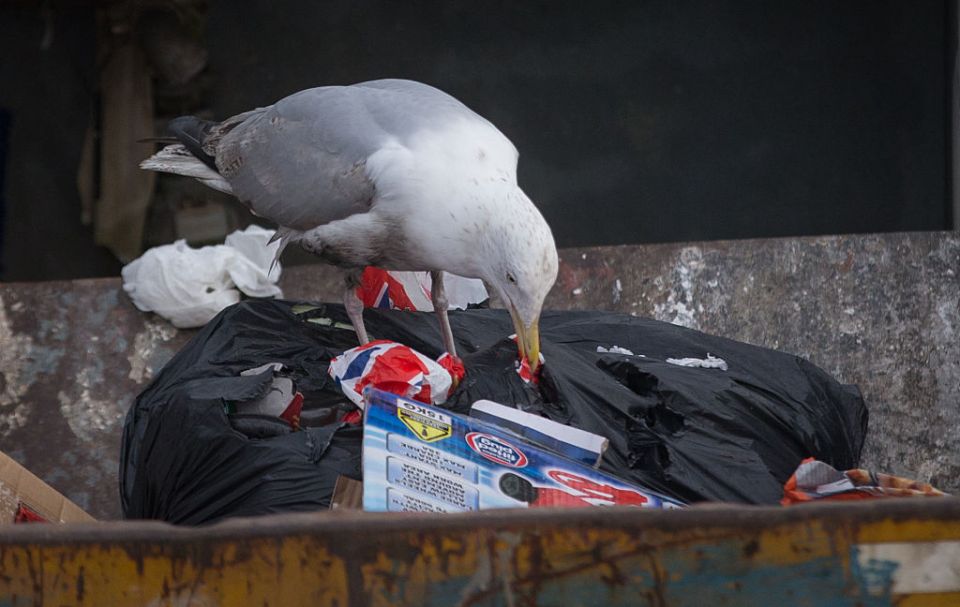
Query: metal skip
<point>865,554</point>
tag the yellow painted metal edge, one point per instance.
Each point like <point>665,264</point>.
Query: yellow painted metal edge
<point>356,558</point>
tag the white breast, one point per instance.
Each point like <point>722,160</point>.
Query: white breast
<point>441,186</point>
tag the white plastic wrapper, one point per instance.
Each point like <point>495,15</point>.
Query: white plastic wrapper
<point>190,286</point>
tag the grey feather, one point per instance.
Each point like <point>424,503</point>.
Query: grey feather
<point>178,160</point>
<point>301,162</point>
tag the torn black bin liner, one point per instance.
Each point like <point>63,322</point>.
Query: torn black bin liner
<point>694,433</point>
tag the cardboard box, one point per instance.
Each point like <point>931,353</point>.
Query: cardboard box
<point>26,498</point>
<point>421,458</point>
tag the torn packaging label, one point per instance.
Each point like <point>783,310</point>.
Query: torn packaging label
<point>426,423</point>
<point>473,465</point>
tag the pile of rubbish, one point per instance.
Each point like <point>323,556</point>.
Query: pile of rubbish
<point>263,411</point>
<point>273,407</point>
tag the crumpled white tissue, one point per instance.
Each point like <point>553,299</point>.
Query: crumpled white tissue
<point>190,286</point>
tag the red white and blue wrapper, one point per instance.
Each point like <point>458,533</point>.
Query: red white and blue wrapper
<point>522,367</point>
<point>382,289</point>
<point>391,290</point>
<point>394,368</point>
<point>816,480</point>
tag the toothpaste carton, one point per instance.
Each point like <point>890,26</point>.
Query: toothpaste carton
<point>422,458</point>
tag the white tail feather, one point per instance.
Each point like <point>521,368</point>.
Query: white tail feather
<point>178,160</point>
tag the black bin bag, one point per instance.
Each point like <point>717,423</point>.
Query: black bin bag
<point>694,433</point>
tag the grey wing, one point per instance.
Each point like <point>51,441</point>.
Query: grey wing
<point>301,162</point>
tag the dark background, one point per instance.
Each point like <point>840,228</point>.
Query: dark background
<point>636,122</point>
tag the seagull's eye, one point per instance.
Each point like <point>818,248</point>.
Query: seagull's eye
<point>511,279</point>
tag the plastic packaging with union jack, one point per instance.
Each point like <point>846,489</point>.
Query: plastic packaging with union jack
<point>422,458</point>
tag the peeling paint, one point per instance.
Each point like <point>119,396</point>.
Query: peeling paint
<point>679,307</point>
<point>15,353</point>
<point>55,330</point>
<point>143,359</point>
<point>88,416</point>
<point>850,326</point>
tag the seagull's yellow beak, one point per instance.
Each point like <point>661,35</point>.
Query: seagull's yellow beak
<point>528,339</point>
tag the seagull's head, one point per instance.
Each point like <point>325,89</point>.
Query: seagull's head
<point>522,267</point>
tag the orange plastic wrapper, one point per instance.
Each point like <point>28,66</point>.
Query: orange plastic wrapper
<point>815,480</point>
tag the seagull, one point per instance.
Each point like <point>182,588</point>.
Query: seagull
<point>392,173</point>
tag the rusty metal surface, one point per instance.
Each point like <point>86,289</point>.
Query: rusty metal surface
<point>857,554</point>
<point>880,311</point>
<point>72,357</point>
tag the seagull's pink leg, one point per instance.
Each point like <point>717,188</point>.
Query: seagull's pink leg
<point>439,298</point>
<point>354,307</point>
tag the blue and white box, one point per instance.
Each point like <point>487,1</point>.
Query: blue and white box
<point>422,458</point>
